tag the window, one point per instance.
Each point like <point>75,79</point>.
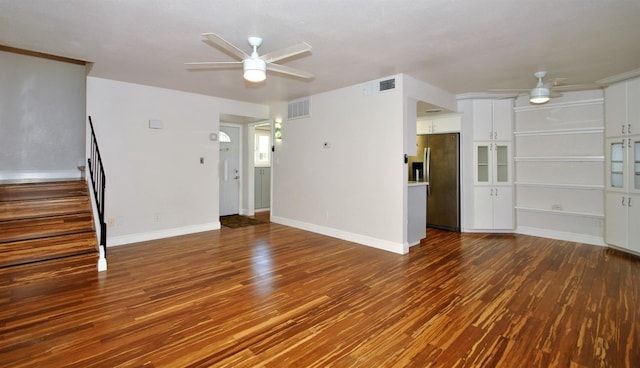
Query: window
<point>262,148</point>
<point>224,137</point>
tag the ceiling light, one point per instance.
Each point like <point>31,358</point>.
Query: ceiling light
<point>254,70</point>
<point>539,95</point>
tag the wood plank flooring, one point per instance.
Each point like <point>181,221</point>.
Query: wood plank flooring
<point>273,296</point>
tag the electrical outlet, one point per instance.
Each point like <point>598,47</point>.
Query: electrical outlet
<point>111,222</point>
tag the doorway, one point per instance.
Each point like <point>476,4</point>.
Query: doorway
<point>229,170</point>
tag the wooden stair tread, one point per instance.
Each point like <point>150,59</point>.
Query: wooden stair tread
<point>33,250</point>
<point>23,229</point>
<point>43,207</point>
<point>53,271</point>
<point>25,191</point>
<point>46,228</point>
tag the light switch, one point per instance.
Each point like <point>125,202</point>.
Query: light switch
<point>155,124</point>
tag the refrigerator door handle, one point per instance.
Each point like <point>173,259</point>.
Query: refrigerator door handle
<point>427,175</point>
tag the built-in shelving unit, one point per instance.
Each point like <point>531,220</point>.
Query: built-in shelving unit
<point>559,164</point>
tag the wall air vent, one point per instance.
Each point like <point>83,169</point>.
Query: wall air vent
<point>298,109</point>
<point>387,84</point>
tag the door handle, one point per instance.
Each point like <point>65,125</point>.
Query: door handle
<point>623,201</point>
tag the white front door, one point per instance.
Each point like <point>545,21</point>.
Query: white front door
<point>229,170</point>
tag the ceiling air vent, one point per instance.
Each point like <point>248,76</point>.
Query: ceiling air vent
<point>387,84</point>
<point>299,109</point>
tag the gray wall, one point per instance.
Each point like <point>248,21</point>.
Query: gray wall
<point>42,117</point>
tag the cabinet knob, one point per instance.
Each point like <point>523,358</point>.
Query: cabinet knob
<point>629,201</point>
<point>491,191</point>
<point>496,191</point>
<point>623,201</point>
<point>629,128</point>
<point>622,128</point>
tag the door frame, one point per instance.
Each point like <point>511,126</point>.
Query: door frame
<point>250,177</point>
<point>240,164</point>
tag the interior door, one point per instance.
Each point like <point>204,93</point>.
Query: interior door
<point>229,170</point>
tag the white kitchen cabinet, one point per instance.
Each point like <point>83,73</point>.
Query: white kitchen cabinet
<point>492,163</point>
<point>262,187</point>
<point>493,120</point>
<point>493,207</point>
<point>439,124</point>
<point>622,108</point>
<point>622,213</point>
<point>622,165</point>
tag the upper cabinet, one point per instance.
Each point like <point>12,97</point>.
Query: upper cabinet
<point>493,120</point>
<point>439,124</point>
<point>622,108</point>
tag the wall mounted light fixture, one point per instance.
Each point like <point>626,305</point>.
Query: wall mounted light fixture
<point>277,134</point>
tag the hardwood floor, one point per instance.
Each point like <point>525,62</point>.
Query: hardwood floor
<point>273,296</point>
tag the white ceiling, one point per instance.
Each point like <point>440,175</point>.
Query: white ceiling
<point>462,46</point>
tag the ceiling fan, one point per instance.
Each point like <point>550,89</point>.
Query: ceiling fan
<point>254,65</point>
<point>542,92</point>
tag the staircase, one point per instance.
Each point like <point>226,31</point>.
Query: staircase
<point>46,222</point>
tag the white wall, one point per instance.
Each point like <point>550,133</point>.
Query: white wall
<point>42,117</point>
<point>156,186</point>
<point>352,189</point>
<point>356,188</point>
<point>559,167</point>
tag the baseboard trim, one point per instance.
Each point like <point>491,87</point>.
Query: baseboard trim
<point>160,234</point>
<point>386,245</point>
<point>40,175</point>
<point>561,235</point>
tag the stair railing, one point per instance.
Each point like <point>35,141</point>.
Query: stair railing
<point>98,179</point>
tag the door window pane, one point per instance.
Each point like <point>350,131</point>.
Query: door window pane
<point>483,164</point>
<point>502,164</point>
<point>616,165</point>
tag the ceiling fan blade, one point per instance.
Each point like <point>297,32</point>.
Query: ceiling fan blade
<point>576,87</point>
<point>509,90</point>
<point>289,70</point>
<point>212,64</point>
<point>225,45</point>
<point>288,52</point>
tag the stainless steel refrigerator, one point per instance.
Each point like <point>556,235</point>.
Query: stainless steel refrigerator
<point>441,168</point>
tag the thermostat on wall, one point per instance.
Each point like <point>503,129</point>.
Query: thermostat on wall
<point>155,124</point>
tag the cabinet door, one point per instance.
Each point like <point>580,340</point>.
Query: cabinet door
<point>503,208</point>
<point>266,187</point>
<point>483,207</point>
<point>502,113</point>
<point>449,124</point>
<point>501,163</point>
<point>633,208</point>
<point>615,214</point>
<point>482,120</point>
<point>633,155</point>
<point>257,189</point>
<point>616,109</point>
<point>483,159</point>
<point>615,163</point>
<point>633,106</point>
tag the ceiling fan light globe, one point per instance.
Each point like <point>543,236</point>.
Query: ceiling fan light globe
<point>539,95</point>
<point>254,70</point>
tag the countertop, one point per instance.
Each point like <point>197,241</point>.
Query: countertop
<point>417,183</point>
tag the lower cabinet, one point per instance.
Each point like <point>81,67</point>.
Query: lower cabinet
<point>262,187</point>
<point>493,207</point>
<point>622,212</point>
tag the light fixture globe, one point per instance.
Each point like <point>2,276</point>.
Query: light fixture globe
<point>539,95</point>
<point>254,70</point>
